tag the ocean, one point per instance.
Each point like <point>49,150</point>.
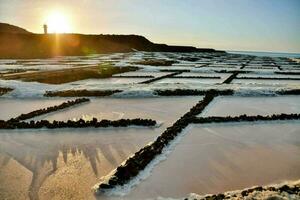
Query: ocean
<point>270,54</point>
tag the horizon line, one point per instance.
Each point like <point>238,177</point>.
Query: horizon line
<point>82,33</point>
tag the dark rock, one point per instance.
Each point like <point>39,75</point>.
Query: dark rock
<point>156,62</point>
<point>244,193</point>
<point>105,186</point>
<point>159,78</point>
<point>81,93</point>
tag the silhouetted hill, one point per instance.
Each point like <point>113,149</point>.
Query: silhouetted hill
<point>20,45</point>
<point>7,28</point>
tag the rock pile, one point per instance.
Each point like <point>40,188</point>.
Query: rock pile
<point>81,93</point>
<point>190,92</point>
<point>146,76</point>
<point>14,124</point>
<point>269,78</point>
<point>231,71</point>
<point>289,190</point>
<point>201,77</point>
<point>231,77</point>
<point>4,90</point>
<point>245,118</point>
<point>288,73</point>
<point>289,92</point>
<point>174,70</point>
<point>51,109</point>
<point>161,77</point>
<point>156,62</point>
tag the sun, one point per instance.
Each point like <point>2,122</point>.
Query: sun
<point>58,22</point>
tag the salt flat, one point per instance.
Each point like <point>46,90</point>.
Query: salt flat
<point>165,110</point>
<point>11,107</point>
<point>48,159</point>
<point>209,158</point>
<point>235,106</point>
<point>268,82</point>
<point>190,80</point>
<point>218,158</point>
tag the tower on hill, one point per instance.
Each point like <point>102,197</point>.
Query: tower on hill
<point>45,29</point>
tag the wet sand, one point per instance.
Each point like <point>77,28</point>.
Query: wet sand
<point>65,163</point>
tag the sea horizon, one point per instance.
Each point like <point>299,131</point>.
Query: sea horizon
<point>266,53</point>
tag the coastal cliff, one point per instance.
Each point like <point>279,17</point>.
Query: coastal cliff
<point>19,43</point>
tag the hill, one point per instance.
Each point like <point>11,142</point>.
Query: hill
<point>29,45</point>
<point>7,28</point>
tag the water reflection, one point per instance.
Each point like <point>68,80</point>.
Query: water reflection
<point>39,151</point>
<point>66,163</point>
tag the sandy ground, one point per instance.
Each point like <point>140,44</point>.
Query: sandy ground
<point>14,178</point>
<point>66,163</point>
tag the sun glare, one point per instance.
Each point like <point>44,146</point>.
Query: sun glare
<point>58,22</point>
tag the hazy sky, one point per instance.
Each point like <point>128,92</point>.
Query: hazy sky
<point>264,25</point>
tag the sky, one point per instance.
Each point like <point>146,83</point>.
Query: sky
<point>247,25</point>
